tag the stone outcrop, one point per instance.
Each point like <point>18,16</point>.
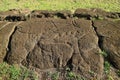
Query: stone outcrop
<point>46,40</point>
<point>6,30</point>
<point>95,13</point>
<point>110,39</point>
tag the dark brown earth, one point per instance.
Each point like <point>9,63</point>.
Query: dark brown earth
<point>46,40</point>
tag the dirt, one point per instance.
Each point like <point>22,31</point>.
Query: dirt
<point>45,40</point>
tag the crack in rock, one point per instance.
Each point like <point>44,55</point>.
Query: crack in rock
<point>100,37</point>
<point>10,37</point>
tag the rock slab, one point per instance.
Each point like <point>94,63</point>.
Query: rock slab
<point>43,42</point>
<point>52,43</point>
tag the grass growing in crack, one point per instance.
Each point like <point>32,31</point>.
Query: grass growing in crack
<point>107,70</point>
<point>68,75</point>
<point>92,72</point>
<point>55,76</point>
<point>12,72</point>
<point>110,77</point>
<point>104,53</point>
<point>118,73</point>
<point>107,67</point>
<point>72,76</point>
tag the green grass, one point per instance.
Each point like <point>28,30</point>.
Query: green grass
<point>12,72</point>
<point>108,5</point>
<point>118,72</point>
<point>104,54</point>
<point>107,67</point>
<point>66,75</point>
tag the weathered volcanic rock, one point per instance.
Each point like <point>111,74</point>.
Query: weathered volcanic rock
<point>88,50</point>
<point>42,13</point>
<point>14,15</point>
<point>109,31</point>
<point>57,43</point>
<point>95,13</point>
<point>6,30</point>
<point>53,40</point>
<point>64,14</point>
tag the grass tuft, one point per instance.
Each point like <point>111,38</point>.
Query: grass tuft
<point>12,72</point>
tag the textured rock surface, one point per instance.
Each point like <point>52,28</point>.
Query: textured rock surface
<point>15,15</point>
<point>109,31</point>
<point>52,43</point>
<point>46,40</point>
<point>6,30</point>
<point>95,13</point>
